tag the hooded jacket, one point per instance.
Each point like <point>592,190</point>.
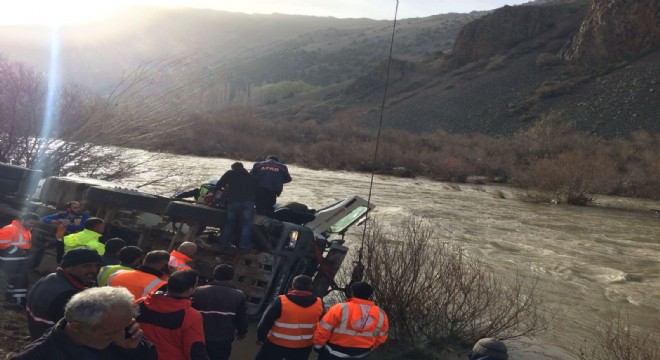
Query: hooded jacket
<point>274,311</point>
<point>173,326</point>
<point>15,234</point>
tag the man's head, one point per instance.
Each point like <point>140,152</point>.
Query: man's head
<point>130,256</point>
<point>95,224</point>
<point>113,246</point>
<point>187,248</point>
<point>302,283</point>
<point>82,263</point>
<point>272,157</point>
<point>223,272</point>
<point>181,284</point>
<point>96,317</point>
<point>157,260</point>
<point>362,290</point>
<point>489,349</point>
<point>73,207</point>
<point>237,166</point>
<point>29,220</point>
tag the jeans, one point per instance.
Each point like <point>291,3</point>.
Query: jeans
<point>242,212</point>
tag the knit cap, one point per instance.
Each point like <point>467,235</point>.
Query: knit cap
<point>79,256</point>
<point>492,348</point>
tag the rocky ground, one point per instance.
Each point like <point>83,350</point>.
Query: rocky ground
<point>14,334</point>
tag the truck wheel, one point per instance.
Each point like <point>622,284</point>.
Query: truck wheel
<point>125,198</point>
<point>179,210</point>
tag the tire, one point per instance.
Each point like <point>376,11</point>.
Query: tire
<point>128,199</point>
<point>179,210</point>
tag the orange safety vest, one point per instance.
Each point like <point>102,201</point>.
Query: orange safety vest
<point>356,323</point>
<point>295,326</point>
<point>15,234</point>
<point>139,283</point>
<point>179,261</point>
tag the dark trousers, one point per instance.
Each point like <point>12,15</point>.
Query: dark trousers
<point>264,201</point>
<point>270,351</point>
<point>325,355</point>
<point>13,262</point>
<point>218,350</point>
<point>59,248</point>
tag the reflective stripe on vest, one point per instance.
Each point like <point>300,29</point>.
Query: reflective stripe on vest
<point>36,318</point>
<point>343,327</point>
<point>340,354</point>
<point>148,289</point>
<point>21,238</point>
<point>114,275</point>
<point>294,328</point>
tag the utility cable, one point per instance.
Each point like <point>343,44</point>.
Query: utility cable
<point>359,268</point>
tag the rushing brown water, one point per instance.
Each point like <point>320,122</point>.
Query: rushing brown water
<point>590,260</point>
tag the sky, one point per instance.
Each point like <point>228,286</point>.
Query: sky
<point>71,12</point>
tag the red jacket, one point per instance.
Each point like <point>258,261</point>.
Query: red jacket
<point>15,234</point>
<point>173,326</point>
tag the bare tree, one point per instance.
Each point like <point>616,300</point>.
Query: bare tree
<point>435,294</point>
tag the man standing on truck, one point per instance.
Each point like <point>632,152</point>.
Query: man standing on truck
<point>351,330</point>
<point>287,327</point>
<point>15,243</point>
<point>68,222</point>
<point>271,175</point>
<point>89,237</point>
<point>241,188</point>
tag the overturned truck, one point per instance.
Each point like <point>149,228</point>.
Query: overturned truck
<point>289,245</point>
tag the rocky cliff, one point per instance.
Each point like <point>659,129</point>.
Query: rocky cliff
<point>512,25</point>
<point>615,30</point>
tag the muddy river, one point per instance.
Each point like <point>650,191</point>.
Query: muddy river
<point>590,260</point>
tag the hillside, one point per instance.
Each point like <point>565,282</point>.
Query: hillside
<point>594,62</point>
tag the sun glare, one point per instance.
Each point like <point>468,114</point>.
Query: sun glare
<point>62,12</point>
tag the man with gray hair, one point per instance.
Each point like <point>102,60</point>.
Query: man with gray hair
<point>98,323</point>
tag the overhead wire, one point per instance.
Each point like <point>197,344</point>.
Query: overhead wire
<point>358,271</point>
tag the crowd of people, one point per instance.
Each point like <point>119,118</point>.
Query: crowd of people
<point>110,300</point>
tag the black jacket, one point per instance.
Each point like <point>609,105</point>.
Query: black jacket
<point>47,298</point>
<point>274,311</point>
<point>240,185</point>
<point>55,345</point>
<point>224,310</point>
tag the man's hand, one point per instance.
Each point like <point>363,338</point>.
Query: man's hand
<point>65,222</point>
<point>133,335</point>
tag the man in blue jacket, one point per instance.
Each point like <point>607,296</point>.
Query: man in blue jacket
<point>271,175</point>
<point>70,221</point>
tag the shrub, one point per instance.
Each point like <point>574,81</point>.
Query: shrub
<point>617,340</point>
<point>437,295</point>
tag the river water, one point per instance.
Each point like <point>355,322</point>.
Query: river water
<point>590,260</point>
